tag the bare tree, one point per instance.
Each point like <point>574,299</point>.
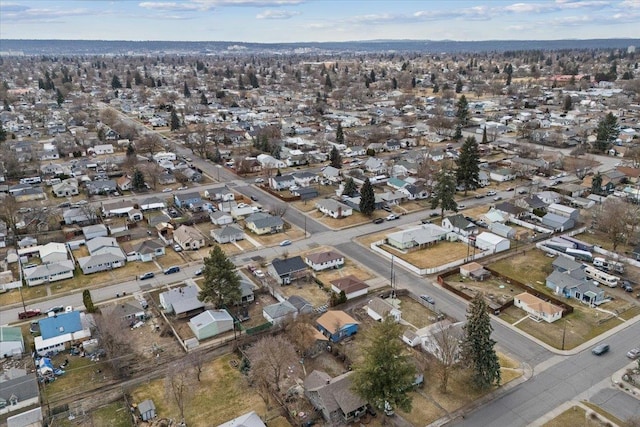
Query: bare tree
<point>301,332</point>
<point>113,334</point>
<point>441,124</point>
<point>447,339</point>
<point>180,177</point>
<point>179,385</point>
<point>271,359</point>
<point>152,173</point>
<point>280,209</point>
<point>612,220</point>
<point>9,213</point>
<point>195,359</point>
<point>149,143</point>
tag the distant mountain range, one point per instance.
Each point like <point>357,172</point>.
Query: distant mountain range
<point>122,47</point>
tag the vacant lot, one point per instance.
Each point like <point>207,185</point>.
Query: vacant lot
<point>415,313</point>
<point>307,290</point>
<point>531,267</point>
<point>441,253</point>
<point>227,396</point>
<point>293,233</point>
<point>495,290</point>
<point>601,239</point>
<point>349,268</point>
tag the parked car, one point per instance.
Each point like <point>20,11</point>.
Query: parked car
<point>491,193</point>
<point>425,221</point>
<point>172,270</point>
<point>386,208</point>
<point>479,196</point>
<point>183,188</point>
<point>148,275</point>
<point>626,285</point>
<point>460,207</point>
<point>259,181</point>
<point>428,299</point>
<point>522,191</point>
<point>600,350</point>
<point>285,243</point>
<point>177,248</point>
<point>509,189</point>
<point>259,274</point>
<point>199,272</point>
<point>497,198</point>
<point>27,314</point>
<point>392,217</point>
<point>434,214</point>
<point>167,190</point>
<point>634,353</point>
<point>254,198</point>
<point>378,220</point>
<point>56,309</point>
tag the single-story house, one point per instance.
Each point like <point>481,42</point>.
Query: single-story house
<point>334,397</point>
<point>53,252</point>
<point>282,182</point>
<point>66,188</point>
<point>47,273</point>
<point>566,211</point>
<point>288,269</point>
<point>502,175</point>
<point>128,311</point>
<point>210,323</point>
<point>148,250</point>
<point>419,237</point>
<point>492,242</point>
<point>352,286</point>
<point>77,216</point>
<point>101,187</point>
<point>11,341</point>
<point>323,260</point>
<point>279,312</point>
<point>459,224</point>
<point>119,208</point>
<point>337,325</point>
<point>568,286</point>
<point>182,301</point>
<point>227,234</point>
<point>306,193</point>
<point>18,393</point>
<point>91,231</point>
<point>220,218</point>
<point>475,271</point>
<point>557,222</point>
<point>185,199</point>
<point>264,223</point>
<point>302,305</point>
<point>152,203</point>
<point>378,309</point>
<point>124,183</point>
<point>537,308</point>
<point>250,419</point>
<point>58,330</point>
<point>189,238</point>
<point>333,208</point>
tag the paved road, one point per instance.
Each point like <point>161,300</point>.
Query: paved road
<point>617,403</point>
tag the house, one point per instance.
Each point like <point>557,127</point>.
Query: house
<point>92,231</point>
<point>119,208</point>
<point>302,305</point>
<point>333,208</point>
<point>182,301</point>
<point>375,165</point>
<point>334,397</point>
<point>502,175</point>
<point>282,182</point>
<point>18,393</point>
<point>220,218</point>
<point>492,242</point>
<point>567,265</point>
<point>148,250</point>
<point>104,186</point>
<point>227,234</point>
<point>306,193</point>
<point>152,203</point>
<point>378,309</point>
<point>66,188</point>
<point>53,252</point>
<point>124,183</point>
<point>191,174</point>
<point>475,271</point>
<point>147,410</point>
<point>557,222</point>
<point>549,197</point>
<point>263,223</point>
<point>433,344</point>
<point>288,269</point>
<point>337,325</point>
<point>304,179</point>
<point>104,254</point>
<point>134,215</point>
<point>332,174</point>
<point>185,199</point>
<point>126,311</point>
<point>537,308</point>
<point>246,290</point>
<point>566,211</point>
<point>11,341</point>
<point>419,237</point>
<point>502,230</point>
<point>323,260</point>
<point>30,418</point>
<point>30,194</point>
<point>352,286</point>
<point>189,238</point>
<point>102,148</point>
<point>531,203</point>
<point>58,330</point>
<point>47,273</point>
<point>238,212</point>
<point>460,225</point>
<point>581,289</point>
<point>483,179</point>
<point>27,242</point>
<point>250,419</point>
<point>279,312</point>
<point>210,323</point>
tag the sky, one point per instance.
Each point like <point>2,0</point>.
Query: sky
<point>318,20</point>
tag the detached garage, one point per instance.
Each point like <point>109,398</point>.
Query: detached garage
<point>492,242</point>
<point>11,341</point>
<point>211,323</point>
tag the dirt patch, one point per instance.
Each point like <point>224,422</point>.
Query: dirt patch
<point>349,268</point>
<point>530,267</point>
<point>355,219</point>
<point>441,253</point>
<point>415,313</point>
<point>307,290</point>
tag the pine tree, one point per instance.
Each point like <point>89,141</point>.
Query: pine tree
<point>221,282</point>
<point>459,86</point>
<point>327,81</point>
<point>386,372</point>
<point>59,97</point>
<point>186,92</point>
<point>607,132</point>
<point>349,187</point>
<point>478,351</point>
<point>175,120</point>
<point>444,191</point>
<point>335,158</point>
<point>137,181</point>
<point>484,136</point>
<point>115,82</point>
<point>462,112</point>
<point>457,136</point>
<point>367,198</point>
<point>88,301</point>
<point>203,99</point>
<point>339,134</point>
<point>596,184</point>
<point>468,170</point>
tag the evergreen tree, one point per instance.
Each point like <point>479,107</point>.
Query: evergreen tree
<point>459,86</point>
<point>339,134</point>
<point>131,151</point>
<point>607,132</point>
<point>88,301</point>
<point>3,133</point>
<point>413,82</point>
<point>203,99</point>
<point>484,136</point>
<point>478,351</point>
<point>462,112</point>
<point>444,192</point>
<point>386,372</point>
<point>567,103</point>
<point>59,97</point>
<point>367,198</point>
<point>115,82</point>
<point>327,81</point>
<point>468,170</point>
<point>394,83</point>
<point>240,82</point>
<point>186,92</point>
<point>457,136</point>
<point>596,184</point>
<point>175,120</point>
<point>221,281</point>
<point>137,181</point>
<point>349,187</point>
<point>335,158</point>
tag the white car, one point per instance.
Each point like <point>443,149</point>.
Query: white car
<point>491,193</point>
<point>392,217</point>
<point>167,190</point>
<point>182,188</point>
<point>259,181</point>
<point>259,274</point>
<point>177,248</point>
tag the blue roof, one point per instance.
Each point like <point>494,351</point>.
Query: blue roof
<point>60,324</point>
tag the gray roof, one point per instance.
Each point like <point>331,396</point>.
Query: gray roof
<point>146,406</point>
<point>565,264</point>
<point>228,231</point>
<point>288,265</point>
<point>95,260</point>
<point>280,309</point>
<point>264,220</point>
<point>50,268</point>
<point>334,393</point>
<point>24,388</point>
<point>460,222</point>
<point>183,299</point>
<point>299,303</point>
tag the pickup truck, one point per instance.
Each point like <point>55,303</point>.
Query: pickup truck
<point>29,314</point>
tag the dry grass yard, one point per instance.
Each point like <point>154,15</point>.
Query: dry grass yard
<point>307,290</point>
<point>441,253</point>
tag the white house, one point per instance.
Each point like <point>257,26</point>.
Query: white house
<point>189,238</point>
<point>537,308</point>
<point>324,260</point>
<point>502,175</point>
<point>50,272</point>
<point>53,252</point>
<point>492,242</point>
<point>352,286</point>
<point>102,149</point>
<point>378,309</point>
<point>333,208</point>
<point>220,218</point>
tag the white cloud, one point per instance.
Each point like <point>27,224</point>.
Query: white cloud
<point>630,4</point>
<point>254,3</point>
<point>27,14</point>
<point>277,14</point>
<point>173,6</point>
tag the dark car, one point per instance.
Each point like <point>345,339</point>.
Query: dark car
<point>172,270</point>
<point>425,221</point>
<point>626,285</point>
<point>428,299</point>
<point>148,275</point>
<point>56,309</point>
<point>29,314</point>
<point>600,350</point>
<point>378,220</point>
<point>254,198</point>
<point>434,214</point>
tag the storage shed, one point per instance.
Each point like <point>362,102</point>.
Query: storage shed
<point>211,323</point>
<point>147,410</point>
<point>492,242</point>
